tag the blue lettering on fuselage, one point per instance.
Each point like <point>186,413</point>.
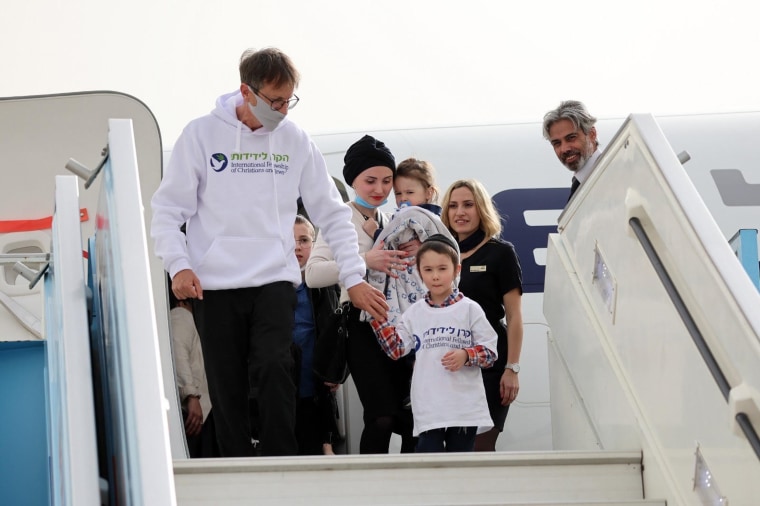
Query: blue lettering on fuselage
<point>512,205</point>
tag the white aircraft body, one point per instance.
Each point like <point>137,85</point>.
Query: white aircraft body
<point>592,380</point>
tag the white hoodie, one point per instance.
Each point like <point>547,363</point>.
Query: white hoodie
<point>237,189</point>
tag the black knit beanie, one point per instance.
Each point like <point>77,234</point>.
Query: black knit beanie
<point>365,153</point>
<point>444,239</point>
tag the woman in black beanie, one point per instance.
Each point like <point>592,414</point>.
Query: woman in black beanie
<point>382,384</point>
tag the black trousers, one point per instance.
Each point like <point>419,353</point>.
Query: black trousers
<point>250,328</point>
<point>315,422</point>
<point>204,444</point>
<point>383,385</point>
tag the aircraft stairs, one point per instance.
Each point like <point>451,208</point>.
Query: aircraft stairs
<point>643,412</point>
<point>655,329</point>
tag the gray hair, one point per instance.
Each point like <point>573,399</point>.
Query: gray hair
<point>572,110</point>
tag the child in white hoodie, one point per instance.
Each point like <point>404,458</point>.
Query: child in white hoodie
<point>452,340</point>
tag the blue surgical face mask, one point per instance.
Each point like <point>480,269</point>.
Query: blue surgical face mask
<point>267,116</point>
<point>366,204</point>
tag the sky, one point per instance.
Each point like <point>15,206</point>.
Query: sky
<point>379,64</point>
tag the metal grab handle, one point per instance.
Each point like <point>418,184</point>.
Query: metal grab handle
<point>82,171</point>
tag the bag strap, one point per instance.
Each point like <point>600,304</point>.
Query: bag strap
<point>343,308</point>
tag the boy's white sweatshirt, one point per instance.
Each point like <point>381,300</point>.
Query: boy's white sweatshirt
<point>237,189</point>
<point>442,398</point>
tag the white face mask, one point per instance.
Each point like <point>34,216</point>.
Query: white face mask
<point>267,116</point>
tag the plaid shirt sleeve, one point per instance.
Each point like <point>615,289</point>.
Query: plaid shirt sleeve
<point>389,340</point>
<point>480,356</point>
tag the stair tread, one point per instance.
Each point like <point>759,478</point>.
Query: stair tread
<point>407,461</point>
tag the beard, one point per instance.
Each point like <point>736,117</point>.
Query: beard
<point>579,162</point>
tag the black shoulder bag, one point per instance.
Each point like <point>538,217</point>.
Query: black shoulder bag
<point>330,347</point>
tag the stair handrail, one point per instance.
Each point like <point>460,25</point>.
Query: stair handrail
<point>742,419</point>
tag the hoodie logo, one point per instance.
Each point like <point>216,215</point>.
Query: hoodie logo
<point>218,162</point>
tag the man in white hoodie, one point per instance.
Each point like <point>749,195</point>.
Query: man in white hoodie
<point>234,178</point>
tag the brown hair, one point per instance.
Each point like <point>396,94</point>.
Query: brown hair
<point>267,66</point>
<point>422,171</point>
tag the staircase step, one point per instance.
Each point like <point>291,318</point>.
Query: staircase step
<point>642,502</point>
<point>545,478</point>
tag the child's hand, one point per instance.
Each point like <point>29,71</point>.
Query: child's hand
<point>370,226</point>
<point>410,247</point>
<point>454,360</point>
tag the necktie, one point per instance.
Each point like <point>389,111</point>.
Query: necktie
<point>574,186</point>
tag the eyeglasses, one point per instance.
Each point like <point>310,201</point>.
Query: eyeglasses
<point>278,104</point>
<point>304,243</point>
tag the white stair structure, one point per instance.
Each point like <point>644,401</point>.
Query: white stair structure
<point>544,478</point>
<point>655,327</point>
